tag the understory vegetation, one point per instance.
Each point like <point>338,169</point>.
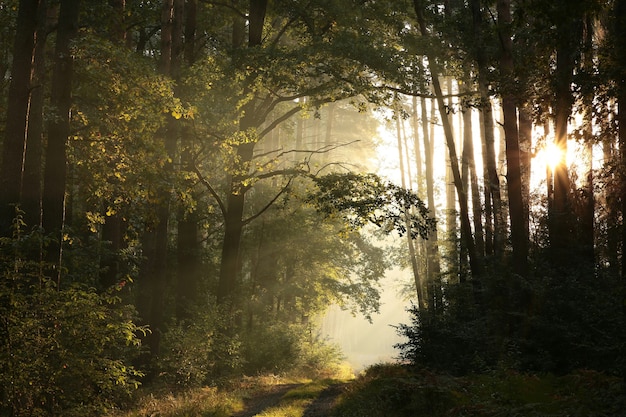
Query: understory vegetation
<point>187,186</point>
<point>403,391</point>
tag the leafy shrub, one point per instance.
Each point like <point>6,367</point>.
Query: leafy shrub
<point>287,348</point>
<point>199,351</point>
<point>555,321</point>
<point>63,349</point>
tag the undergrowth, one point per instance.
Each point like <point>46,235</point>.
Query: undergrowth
<point>398,391</point>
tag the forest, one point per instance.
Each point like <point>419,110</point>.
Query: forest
<point>186,186</point>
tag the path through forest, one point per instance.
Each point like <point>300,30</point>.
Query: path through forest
<point>319,407</point>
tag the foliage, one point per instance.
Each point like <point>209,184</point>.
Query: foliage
<point>396,390</point>
<point>299,262</point>
<point>65,349</point>
<point>556,321</point>
<point>199,351</point>
<point>289,349</point>
<point>363,198</point>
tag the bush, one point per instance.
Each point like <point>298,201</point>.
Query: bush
<point>558,320</point>
<point>282,348</point>
<point>199,351</point>
<point>64,350</point>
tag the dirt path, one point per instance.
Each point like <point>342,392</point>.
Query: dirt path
<point>320,407</point>
<point>325,402</point>
<point>259,403</point>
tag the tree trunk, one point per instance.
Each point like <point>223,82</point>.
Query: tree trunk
<point>235,201</point>
<point>411,244</point>
<point>188,273</point>
<point>475,265</point>
<point>492,185</point>
<point>432,245</point>
<point>586,195</point>
<point>19,99</point>
<point>568,34</point>
<point>55,173</point>
<point>525,142</point>
<point>153,273</point>
<point>519,230</point>
<point>33,158</point>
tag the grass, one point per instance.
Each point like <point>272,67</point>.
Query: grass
<point>230,399</point>
<point>295,402</point>
<point>395,391</point>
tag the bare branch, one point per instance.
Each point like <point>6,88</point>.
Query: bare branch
<point>211,190</point>
<point>279,120</point>
<point>269,204</point>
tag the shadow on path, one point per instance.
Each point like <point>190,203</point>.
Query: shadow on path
<point>261,402</point>
<point>320,407</point>
<point>323,404</point>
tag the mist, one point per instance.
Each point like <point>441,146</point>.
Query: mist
<point>363,343</point>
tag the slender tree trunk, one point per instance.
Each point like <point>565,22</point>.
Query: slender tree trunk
<point>568,34</point>
<point>55,173</point>
<point>235,203</point>
<point>33,158</point>
<point>486,188</point>
<point>492,181</point>
<point>470,161</point>
<point>432,245</point>
<point>587,198</point>
<point>188,244</point>
<point>525,142</point>
<point>19,100</point>
<point>451,211</point>
<point>519,231</point>
<point>475,265</point>
<point>466,119</point>
<point>414,266</point>
<point>153,273</point>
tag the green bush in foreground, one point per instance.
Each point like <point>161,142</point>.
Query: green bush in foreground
<point>64,349</point>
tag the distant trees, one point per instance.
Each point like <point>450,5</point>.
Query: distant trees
<point>197,159</point>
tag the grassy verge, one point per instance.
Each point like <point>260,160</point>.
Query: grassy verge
<point>231,398</point>
<point>395,391</point>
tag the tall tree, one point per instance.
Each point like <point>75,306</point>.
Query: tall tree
<point>55,172</point>
<point>492,184</point>
<point>519,225</point>
<point>475,264</point>
<point>568,19</point>
<point>155,242</point>
<point>27,38</point>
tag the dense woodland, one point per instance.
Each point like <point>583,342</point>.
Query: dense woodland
<point>186,184</point>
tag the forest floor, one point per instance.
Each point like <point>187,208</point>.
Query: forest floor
<point>313,399</point>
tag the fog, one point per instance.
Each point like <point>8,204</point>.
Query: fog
<point>364,343</point>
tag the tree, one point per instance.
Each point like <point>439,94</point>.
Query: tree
<point>518,216</point>
<point>55,172</point>
<point>475,264</point>
<point>29,41</point>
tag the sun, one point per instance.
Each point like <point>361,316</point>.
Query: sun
<point>550,156</point>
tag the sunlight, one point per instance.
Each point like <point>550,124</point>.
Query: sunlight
<point>550,156</point>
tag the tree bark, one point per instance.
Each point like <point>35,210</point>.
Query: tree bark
<point>154,269</point>
<point>19,99</point>
<point>568,35</point>
<point>55,173</point>
<point>519,231</point>
<point>492,186</point>
<point>421,300</point>
<point>33,158</point>
<point>475,265</point>
<point>432,245</point>
<point>235,201</point>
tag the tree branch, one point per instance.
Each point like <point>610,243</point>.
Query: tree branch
<point>269,204</point>
<point>211,190</point>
